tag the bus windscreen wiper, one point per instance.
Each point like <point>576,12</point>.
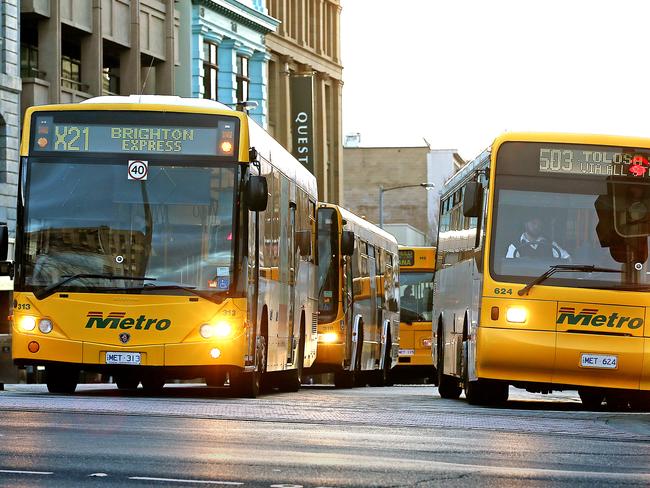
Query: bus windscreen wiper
<point>49,290</point>
<point>174,286</point>
<point>559,268</point>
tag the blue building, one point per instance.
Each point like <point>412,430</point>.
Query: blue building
<point>222,52</point>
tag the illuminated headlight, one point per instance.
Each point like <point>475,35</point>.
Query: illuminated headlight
<point>328,337</point>
<point>220,329</point>
<point>45,326</point>
<point>28,323</point>
<point>517,315</point>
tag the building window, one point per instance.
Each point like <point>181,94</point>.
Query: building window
<point>70,73</point>
<point>243,82</point>
<point>210,70</point>
<point>111,81</point>
<point>29,61</point>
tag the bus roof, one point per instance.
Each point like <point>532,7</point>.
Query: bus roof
<point>159,100</point>
<point>364,229</point>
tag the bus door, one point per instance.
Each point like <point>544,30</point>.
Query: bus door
<point>373,326</point>
<point>285,244</point>
<point>347,302</point>
<point>291,245</point>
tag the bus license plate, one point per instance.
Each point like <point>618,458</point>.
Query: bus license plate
<point>407,352</point>
<point>123,358</point>
<point>599,361</point>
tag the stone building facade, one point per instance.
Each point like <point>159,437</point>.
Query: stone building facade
<point>10,87</point>
<point>307,45</point>
<point>368,168</point>
<point>223,55</point>
<point>72,50</point>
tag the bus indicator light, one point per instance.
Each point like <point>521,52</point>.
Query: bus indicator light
<point>226,147</point>
<point>33,347</point>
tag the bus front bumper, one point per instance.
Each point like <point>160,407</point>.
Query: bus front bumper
<point>537,356</point>
<point>51,349</point>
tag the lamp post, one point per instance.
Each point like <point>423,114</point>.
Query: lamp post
<point>382,190</point>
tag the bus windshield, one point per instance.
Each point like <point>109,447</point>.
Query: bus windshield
<point>84,216</point>
<point>328,266</point>
<point>416,295</point>
<point>571,204</point>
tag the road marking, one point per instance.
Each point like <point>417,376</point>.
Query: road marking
<point>98,475</point>
<point>173,480</point>
<point>16,471</point>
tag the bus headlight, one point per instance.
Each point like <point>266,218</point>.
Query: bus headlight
<point>28,323</point>
<point>328,337</point>
<point>45,326</point>
<point>516,315</point>
<point>220,329</point>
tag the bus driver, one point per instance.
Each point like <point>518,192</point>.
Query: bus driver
<point>532,244</point>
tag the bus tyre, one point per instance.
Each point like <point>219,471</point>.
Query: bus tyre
<point>60,379</point>
<point>448,386</point>
<point>126,382</point>
<point>344,379</point>
<point>153,383</point>
<point>640,401</point>
<point>486,392</point>
<point>293,378</point>
<point>591,399</point>
<point>215,378</point>
<point>249,384</point>
<point>383,376</point>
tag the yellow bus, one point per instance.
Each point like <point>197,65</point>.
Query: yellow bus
<point>358,300</point>
<point>416,266</point>
<point>542,274</point>
<point>162,238</point>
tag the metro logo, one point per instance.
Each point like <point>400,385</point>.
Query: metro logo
<point>116,320</point>
<point>590,317</point>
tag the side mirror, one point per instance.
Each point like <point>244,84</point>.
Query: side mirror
<point>303,242</point>
<point>472,199</point>
<point>257,193</point>
<point>347,243</point>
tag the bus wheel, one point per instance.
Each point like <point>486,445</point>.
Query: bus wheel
<point>448,386</point>
<point>359,377</point>
<point>248,385</point>
<point>344,379</point>
<point>617,401</point>
<point>383,376</point>
<point>486,392</point>
<point>61,379</point>
<point>215,378</point>
<point>293,378</point>
<point>153,383</point>
<point>591,399</point>
<point>640,401</point>
<point>127,382</point>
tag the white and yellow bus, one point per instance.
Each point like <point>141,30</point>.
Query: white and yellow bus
<point>542,274</point>
<point>162,238</point>
<point>358,321</point>
<point>416,266</point>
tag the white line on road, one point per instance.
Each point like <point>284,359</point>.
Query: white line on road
<point>17,471</point>
<point>173,480</point>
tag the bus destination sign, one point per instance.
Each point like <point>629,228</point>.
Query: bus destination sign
<point>50,136</point>
<point>406,257</point>
<point>585,162</point>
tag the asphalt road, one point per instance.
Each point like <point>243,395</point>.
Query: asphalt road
<point>318,437</point>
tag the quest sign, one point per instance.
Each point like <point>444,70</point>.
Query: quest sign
<point>302,126</point>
